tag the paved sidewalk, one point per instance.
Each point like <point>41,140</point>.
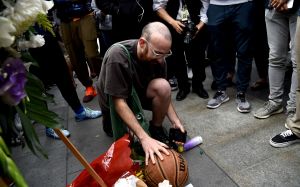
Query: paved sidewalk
<point>235,149</point>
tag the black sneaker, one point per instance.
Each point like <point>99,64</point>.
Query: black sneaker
<point>173,83</point>
<point>159,134</point>
<point>284,139</point>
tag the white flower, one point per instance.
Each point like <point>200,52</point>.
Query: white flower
<point>34,42</point>
<point>37,41</point>
<point>23,14</point>
<point>7,29</point>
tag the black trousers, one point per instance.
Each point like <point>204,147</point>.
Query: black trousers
<point>53,66</point>
<point>193,54</point>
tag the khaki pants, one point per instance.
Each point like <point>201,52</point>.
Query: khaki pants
<point>294,123</point>
<point>80,40</point>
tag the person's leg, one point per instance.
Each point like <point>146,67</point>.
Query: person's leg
<point>292,135</point>
<point>55,67</point>
<point>217,21</point>
<point>179,66</point>
<point>88,34</point>
<point>159,91</point>
<point>216,26</point>
<point>278,40</point>
<point>261,47</point>
<point>294,123</point>
<point>243,27</point>
<point>291,103</point>
<point>75,51</point>
<point>278,33</point>
<point>197,60</point>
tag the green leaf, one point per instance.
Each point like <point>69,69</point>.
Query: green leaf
<point>4,147</point>
<point>31,137</point>
<point>10,169</point>
<point>43,22</point>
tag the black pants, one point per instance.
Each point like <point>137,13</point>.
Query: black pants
<point>53,66</point>
<point>195,55</point>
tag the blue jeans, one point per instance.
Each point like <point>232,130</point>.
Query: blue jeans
<point>231,25</point>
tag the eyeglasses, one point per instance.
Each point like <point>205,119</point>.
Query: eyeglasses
<point>158,54</point>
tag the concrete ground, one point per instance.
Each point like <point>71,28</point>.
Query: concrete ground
<point>235,149</point>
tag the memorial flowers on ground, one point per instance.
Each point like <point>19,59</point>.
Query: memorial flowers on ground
<point>21,92</point>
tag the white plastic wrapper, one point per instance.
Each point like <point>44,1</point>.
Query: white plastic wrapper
<point>189,185</point>
<point>165,183</point>
<point>129,181</point>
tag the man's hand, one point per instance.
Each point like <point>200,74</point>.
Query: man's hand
<point>151,147</point>
<point>178,26</point>
<point>279,5</point>
<point>177,124</point>
<point>199,26</point>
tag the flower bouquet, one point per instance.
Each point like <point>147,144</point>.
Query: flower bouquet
<point>20,91</point>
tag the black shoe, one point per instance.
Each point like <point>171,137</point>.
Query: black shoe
<point>181,95</point>
<point>284,139</point>
<point>201,92</point>
<point>159,134</point>
<point>173,84</point>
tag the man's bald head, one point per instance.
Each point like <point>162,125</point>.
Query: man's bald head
<point>156,28</point>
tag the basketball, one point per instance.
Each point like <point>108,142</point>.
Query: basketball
<point>173,168</point>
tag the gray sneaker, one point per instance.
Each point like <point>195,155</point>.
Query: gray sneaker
<point>219,98</point>
<point>269,108</point>
<point>243,105</point>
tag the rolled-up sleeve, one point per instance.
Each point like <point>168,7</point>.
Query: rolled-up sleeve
<point>158,4</point>
<point>203,10</point>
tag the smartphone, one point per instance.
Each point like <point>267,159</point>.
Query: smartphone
<point>177,135</point>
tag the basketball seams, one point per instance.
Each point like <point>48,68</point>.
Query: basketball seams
<point>165,169</point>
<point>187,175</point>
<point>176,168</point>
<point>162,171</point>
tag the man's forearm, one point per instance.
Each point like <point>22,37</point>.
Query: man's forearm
<point>128,117</point>
<point>172,115</point>
<point>163,14</point>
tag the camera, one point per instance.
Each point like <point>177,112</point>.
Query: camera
<point>188,32</point>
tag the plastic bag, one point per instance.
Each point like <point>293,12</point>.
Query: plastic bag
<point>110,166</point>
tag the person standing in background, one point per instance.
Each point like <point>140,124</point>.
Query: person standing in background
<point>186,21</point>
<point>233,18</point>
<point>128,17</point>
<point>292,135</point>
<point>281,28</point>
<point>79,35</point>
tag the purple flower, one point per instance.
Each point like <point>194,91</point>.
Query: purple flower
<point>12,81</point>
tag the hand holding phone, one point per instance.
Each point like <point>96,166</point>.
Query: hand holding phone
<point>175,135</point>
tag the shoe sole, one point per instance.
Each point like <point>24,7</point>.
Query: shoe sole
<point>266,116</point>
<point>281,145</point>
<point>217,106</point>
<point>243,111</point>
<point>56,138</point>
<point>84,119</point>
<point>174,88</point>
